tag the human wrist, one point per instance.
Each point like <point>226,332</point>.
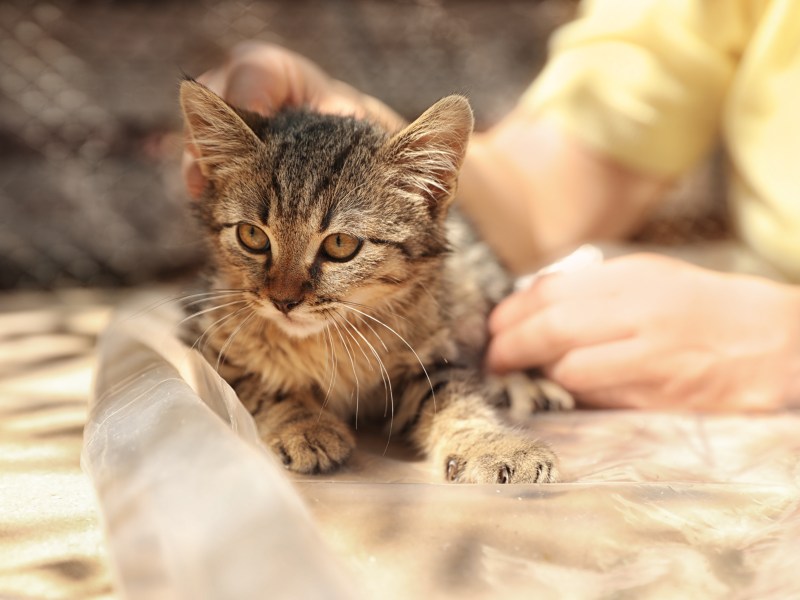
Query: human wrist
<point>491,195</point>
<point>571,192</point>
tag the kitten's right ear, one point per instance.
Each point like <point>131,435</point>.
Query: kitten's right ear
<point>429,152</point>
<point>221,137</point>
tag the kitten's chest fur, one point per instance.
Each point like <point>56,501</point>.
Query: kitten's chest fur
<point>349,367</point>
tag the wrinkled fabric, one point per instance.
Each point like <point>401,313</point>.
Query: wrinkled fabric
<point>655,505</point>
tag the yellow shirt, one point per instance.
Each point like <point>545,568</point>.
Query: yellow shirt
<point>654,83</point>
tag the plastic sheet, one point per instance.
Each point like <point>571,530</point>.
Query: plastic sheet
<point>192,506</point>
<point>653,506</point>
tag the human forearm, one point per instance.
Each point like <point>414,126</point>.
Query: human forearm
<point>534,191</point>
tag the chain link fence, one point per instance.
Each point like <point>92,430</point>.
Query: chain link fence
<point>90,191</point>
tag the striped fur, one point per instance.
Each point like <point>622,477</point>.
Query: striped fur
<point>396,332</point>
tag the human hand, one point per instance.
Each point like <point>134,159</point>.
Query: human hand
<point>649,331</point>
<point>264,78</point>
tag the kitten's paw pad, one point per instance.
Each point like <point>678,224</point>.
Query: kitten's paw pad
<point>313,446</point>
<point>530,462</point>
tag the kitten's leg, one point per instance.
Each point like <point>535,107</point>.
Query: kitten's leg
<point>454,424</point>
<point>303,436</point>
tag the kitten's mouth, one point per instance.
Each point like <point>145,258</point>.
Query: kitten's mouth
<point>295,323</point>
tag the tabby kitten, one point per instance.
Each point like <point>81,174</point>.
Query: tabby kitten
<point>340,289</point>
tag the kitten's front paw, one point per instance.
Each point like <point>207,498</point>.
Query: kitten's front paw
<point>313,445</point>
<point>514,459</point>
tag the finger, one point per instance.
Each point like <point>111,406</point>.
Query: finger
<point>547,335</point>
<point>214,79</point>
<point>620,374</point>
<point>590,282</point>
<point>264,78</point>
<point>382,114</point>
<point>339,98</point>
<point>638,397</point>
<point>257,87</point>
<point>598,368</point>
<point>519,306</point>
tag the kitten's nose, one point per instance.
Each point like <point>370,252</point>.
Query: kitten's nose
<point>285,305</point>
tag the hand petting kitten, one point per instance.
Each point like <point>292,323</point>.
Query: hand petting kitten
<point>265,78</point>
<point>654,343</point>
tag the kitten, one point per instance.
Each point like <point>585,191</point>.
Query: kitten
<point>343,290</point>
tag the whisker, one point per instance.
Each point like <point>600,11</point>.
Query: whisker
<point>345,322</point>
<point>218,323</point>
<point>208,310</point>
<point>334,364</point>
<point>402,339</point>
<point>366,307</point>
<point>206,298</point>
<point>352,363</point>
<point>229,341</point>
<point>387,382</point>
<point>435,299</point>
<point>180,297</point>
<point>375,333</point>
<point>213,292</point>
<point>372,349</point>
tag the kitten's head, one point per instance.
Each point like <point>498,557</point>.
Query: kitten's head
<point>314,214</point>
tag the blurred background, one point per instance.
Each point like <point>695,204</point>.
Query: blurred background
<point>90,189</point>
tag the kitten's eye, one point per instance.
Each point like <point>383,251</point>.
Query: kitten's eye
<point>341,247</point>
<point>252,238</point>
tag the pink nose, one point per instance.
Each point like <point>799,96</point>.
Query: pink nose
<point>285,305</point>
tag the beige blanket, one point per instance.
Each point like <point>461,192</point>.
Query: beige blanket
<point>654,505</point>
<point>51,544</point>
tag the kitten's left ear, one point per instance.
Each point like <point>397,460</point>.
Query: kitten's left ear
<point>218,132</point>
<point>429,152</point>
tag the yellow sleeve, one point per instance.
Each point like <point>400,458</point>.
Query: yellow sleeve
<point>644,80</point>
